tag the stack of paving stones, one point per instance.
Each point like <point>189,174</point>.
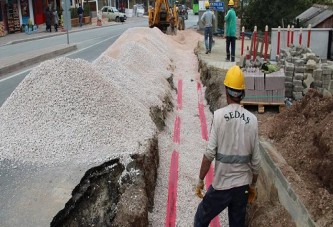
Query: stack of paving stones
<point>264,87</point>
<point>303,69</point>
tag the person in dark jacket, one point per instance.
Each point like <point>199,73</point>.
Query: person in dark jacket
<point>56,20</point>
<point>80,13</point>
<point>48,19</point>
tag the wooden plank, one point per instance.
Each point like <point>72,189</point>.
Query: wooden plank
<point>261,105</point>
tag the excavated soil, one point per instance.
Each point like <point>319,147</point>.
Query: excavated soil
<point>303,135</point>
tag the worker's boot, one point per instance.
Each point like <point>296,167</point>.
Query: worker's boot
<point>227,58</point>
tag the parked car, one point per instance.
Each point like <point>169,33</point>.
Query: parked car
<point>113,14</point>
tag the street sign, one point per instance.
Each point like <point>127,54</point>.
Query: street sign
<point>218,6</point>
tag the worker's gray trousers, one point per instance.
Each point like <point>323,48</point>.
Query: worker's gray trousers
<point>215,201</point>
<point>208,38</point>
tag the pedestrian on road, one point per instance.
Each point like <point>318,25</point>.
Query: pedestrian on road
<point>56,20</point>
<point>48,19</point>
<point>233,143</point>
<point>208,20</point>
<point>230,19</point>
<point>80,13</point>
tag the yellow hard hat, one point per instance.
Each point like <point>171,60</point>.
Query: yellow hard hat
<point>207,5</point>
<point>231,3</point>
<point>235,78</point>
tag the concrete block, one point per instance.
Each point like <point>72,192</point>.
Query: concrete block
<point>298,88</point>
<point>278,96</point>
<point>311,64</point>
<point>275,80</point>
<point>288,94</point>
<point>289,67</point>
<point>299,62</point>
<point>288,84</point>
<point>312,56</point>
<point>269,95</point>
<point>299,76</point>
<point>297,95</point>
<point>317,74</point>
<point>299,69</point>
<point>327,71</point>
<point>317,83</point>
<point>297,82</point>
<point>308,80</point>
<point>249,95</point>
<point>288,79</point>
<point>249,80</point>
<point>326,77</point>
<point>259,82</point>
<point>326,86</point>
<point>306,75</point>
<point>289,73</point>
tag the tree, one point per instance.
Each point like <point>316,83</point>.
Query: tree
<point>273,13</point>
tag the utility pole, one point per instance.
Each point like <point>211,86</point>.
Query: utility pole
<point>242,12</point>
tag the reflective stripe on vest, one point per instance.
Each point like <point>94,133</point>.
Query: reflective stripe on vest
<point>232,159</point>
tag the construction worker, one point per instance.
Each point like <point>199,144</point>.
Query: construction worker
<point>208,20</point>
<point>230,31</point>
<point>233,143</point>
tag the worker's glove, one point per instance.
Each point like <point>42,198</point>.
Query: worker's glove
<point>252,194</point>
<point>199,188</point>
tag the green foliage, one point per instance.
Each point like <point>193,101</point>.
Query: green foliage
<point>74,13</point>
<point>86,10</point>
<point>273,13</point>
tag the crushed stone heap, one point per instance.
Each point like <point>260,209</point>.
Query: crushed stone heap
<point>65,111</point>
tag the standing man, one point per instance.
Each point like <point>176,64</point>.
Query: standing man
<point>233,143</point>
<point>208,19</point>
<point>230,33</point>
<point>80,13</point>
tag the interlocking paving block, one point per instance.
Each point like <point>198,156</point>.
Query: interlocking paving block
<point>275,80</point>
<point>297,95</point>
<point>289,67</point>
<point>298,88</point>
<point>299,69</point>
<point>249,80</point>
<point>297,82</point>
<point>259,81</point>
<point>299,76</point>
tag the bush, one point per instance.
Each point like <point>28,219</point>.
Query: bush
<point>86,10</point>
<point>74,13</point>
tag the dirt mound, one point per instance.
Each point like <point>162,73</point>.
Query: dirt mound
<point>303,135</point>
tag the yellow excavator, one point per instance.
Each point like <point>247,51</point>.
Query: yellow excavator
<point>162,15</point>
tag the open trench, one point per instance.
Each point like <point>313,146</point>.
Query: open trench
<point>277,200</point>
<point>106,196</point>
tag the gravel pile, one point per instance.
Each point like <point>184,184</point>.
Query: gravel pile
<point>64,110</point>
<point>144,50</point>
<point>150,91</point>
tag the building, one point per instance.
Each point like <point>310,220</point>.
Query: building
<point>14,14</point>
<point>319,16</point>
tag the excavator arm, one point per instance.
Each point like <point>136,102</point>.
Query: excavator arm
<point>162,16</point>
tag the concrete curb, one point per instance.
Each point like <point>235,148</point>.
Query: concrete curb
<point>11,64</point>
<point>287,197</point>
